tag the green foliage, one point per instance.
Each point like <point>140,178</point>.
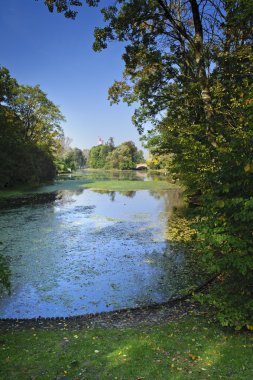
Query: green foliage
<point>123,157</point>
<point>8,86</point>
<point>202,83</point>
<point>160,161</point>
<point>29,133</point>
<point>74,159</point>
<point>40,117</point>
<point>126,185</point>
<point>98,155</point>
<point>64,6</point>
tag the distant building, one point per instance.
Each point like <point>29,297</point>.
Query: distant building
<point>100,141</point>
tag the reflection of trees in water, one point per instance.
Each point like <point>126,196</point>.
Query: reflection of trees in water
<point>158,176</point>
<point>66,196</point>
<point>172,199</point>
<point>19,262</point>
<point>5,273</point>
<point>141,174</point>
<point>128,194</point>
<point>170,274</point>
<point>112,194</point>
<point>78,191</point>
<point>133,175</point>
<point>110,175</point>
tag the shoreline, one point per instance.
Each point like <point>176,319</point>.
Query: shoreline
<point>157,313</point>
<point>147,315</point>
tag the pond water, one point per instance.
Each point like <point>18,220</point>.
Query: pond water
<point>90,251</point>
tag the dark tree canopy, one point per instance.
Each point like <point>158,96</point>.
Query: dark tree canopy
<point>30,132</point>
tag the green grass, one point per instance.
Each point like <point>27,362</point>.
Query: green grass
<point>122,185</point>
<point>192,348</point>
<point>5,194</point>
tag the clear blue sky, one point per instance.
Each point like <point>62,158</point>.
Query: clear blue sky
<point>47,49</point>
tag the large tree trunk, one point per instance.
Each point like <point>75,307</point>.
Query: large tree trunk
<point>200,60</point>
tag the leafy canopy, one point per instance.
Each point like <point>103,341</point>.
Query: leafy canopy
<point>30,132</point>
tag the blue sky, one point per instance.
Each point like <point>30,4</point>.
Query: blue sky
<point>47,49</point>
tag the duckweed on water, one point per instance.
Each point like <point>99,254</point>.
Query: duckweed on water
<point>64,255</point>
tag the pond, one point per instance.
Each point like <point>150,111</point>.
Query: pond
<point>88,251</point>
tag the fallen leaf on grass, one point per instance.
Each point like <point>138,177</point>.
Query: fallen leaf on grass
<point>194,357</point>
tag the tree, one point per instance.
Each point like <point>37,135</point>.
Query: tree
<point>110,143</point>
<point>64,6</point>
<point>159,161</point>
<point>86,153</point>
<point>98,155</point>
<point>40,117</point>
<point>8,86</point>
<point>125,156</point>
<point>75,159</point>
<point>29,133</point>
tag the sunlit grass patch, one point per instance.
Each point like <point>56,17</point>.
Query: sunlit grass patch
<point>122,185</point>
<point>190,348</point>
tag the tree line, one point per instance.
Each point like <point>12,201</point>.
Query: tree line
<point>188,67</point>
<point>124,156</point>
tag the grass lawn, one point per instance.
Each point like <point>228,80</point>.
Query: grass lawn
<point>190,348</point>
<point>122,185</point>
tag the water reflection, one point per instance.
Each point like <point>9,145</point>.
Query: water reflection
<point>5,284</point>
<point>112,194</point>
<point>91,251</point>
<point>131,175</point>
<point>101,175</point>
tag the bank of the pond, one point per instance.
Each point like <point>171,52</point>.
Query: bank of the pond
<point>187,346</point>
<point>28,199</point>
<point>133,317</point>
<point>12,193</point>
<point>20,195</point>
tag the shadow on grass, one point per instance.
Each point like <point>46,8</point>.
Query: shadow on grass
<point>191,348</point>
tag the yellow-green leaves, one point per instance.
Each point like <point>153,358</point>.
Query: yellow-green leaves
<point>248,168</point>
